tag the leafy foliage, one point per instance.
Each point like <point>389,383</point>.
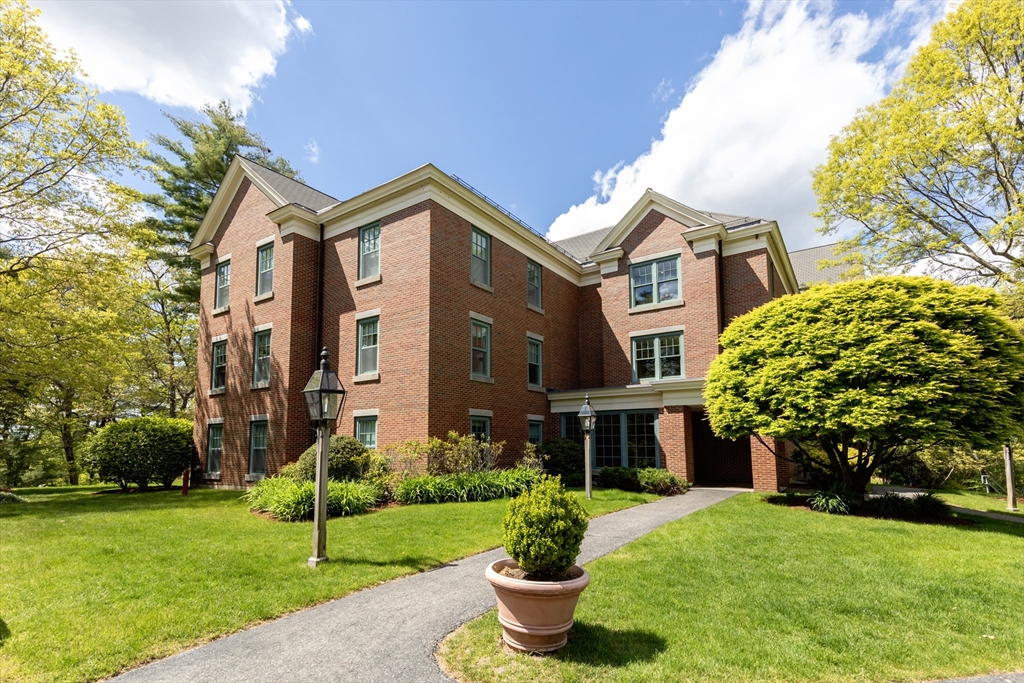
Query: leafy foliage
<point>930,505</point>
<point>461,453</point>
<point>935,170</point>
<point>466,486</point>
<point>865,373</point>
<point>835,501</point>
<point>344,460</point>
<point>10,498</point>
<point>645,479</point>
<point>291,501</point>
<point>543,530</point>
<point>141,450</point>
<point>891,505</point>
<point>564,458</point>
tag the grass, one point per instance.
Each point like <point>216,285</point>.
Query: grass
<point>749,591</point>
<point>975,500</point>
<point>93,584</point>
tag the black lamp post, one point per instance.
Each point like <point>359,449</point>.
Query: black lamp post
<point>324,397</point>
<point>588,420</point>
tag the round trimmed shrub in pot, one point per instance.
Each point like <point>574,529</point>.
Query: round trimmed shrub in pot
<point>343,460</point>
<point>537,590</point>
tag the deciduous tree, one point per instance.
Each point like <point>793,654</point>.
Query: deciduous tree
<point>865,373</point>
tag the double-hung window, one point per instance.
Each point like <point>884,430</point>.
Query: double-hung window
<point>265,269</point>
<point>481,346</point>
<point>481,257</point>
<point>480,427</point>
<point>535,362</point>
<point>654,282</point>
<point>366,431</point>
<point>658,357</point>
<point>214,448</point>
<point>369,251</point>
<point>223,284</point>
<point>369,339</point>
<point>261,359</point>
<point>535,432</point>
<point>218,376</point>
<point>533,284</point>
<point>258,447</point>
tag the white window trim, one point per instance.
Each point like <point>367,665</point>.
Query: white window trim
<point>373,313</point>
<point>265,240</point>
<point>637,260</point>
<point>215,421</point>
<point>657,355</point>
<point>534,418</point>
<point>481,318</point>
<point>366,412</point>
<point>263,297</point>
<point>534,336</point>
<point>366,377</point>
<point>264,326</point>
<point>658,330</point>
<point>218,338</point>
<point>222,259</point>
<point>262,417</point>
<point>643,308</point>
<point>367,281</point>
<point>480,412</point>
<point>653,260</point>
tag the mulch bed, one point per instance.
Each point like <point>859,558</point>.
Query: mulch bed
<point>800,502</point>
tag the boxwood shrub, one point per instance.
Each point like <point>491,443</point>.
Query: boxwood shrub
<point>344,457</point>
<point>466,487</point>
<point>140,451</point>
<point>292,501</point>
<point>563,458</point>
<point>644,479</point>
<point>543,530</point>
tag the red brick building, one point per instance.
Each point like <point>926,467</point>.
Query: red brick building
<point>443,312</point>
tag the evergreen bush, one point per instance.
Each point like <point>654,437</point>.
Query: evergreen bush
<point>140,451</point>
<point>563,458</point>
<point>344,460</point>
<point>543,530</point>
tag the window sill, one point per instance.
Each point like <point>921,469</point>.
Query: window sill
<point>263,297</point>
<point>366,377</point>
<point>216,392</point>
<point>221,310</point>
<point>212,476</point>
<point>259,385</point>
<point>537,388</point>
<point>373,279</point>
<point>486,288</point>
<point>481,378</point>
<point>255,477</point>
<point>656,307</point>
<point>535,309</point>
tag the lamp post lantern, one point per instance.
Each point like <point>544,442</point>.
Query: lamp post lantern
<point>588,420</point>
<point>324,397</point>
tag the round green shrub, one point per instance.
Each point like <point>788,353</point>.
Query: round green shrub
<point>543,530</point>
<point>140,450</point>
<point>661,482</point>
<point>563,458</point>
<point>930,505</point>
<point>343,460</point>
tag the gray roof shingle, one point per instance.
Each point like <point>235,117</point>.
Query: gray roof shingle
<point>293,191</point>
<point>582,246</point>
<point>805,265</point>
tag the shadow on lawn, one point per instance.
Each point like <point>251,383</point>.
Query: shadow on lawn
<point>600,646</point>
<point>5,632</point>
<point>418,563</point>
<point>89,503</point>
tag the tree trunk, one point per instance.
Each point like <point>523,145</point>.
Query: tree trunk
<point>172,401</point>
<point>67,437</point>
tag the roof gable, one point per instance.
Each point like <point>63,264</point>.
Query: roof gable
<point>677,211</point>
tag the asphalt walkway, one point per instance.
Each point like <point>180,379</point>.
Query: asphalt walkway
<point>389,633</point>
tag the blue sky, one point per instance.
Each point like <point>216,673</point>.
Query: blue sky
<point>561,112</point>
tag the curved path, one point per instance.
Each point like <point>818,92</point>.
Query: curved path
<point>389,633</point>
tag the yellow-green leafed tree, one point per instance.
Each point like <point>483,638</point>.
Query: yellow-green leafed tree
<point>59,146</point>
<point>933,173</point>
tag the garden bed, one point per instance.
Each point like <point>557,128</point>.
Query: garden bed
<point>801,503</point>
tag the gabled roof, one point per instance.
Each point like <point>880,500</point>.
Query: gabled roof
<point>582,246</point>
<point>291,190</point>
<point>805,265</point>
<point>677,211</point>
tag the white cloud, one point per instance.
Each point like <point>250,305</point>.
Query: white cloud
<point>312,151</point>
<point>758,118</point>
<point>176,53</point>
<point>663,91</point>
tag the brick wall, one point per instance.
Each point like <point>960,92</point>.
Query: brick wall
<point>675,430</point>
<point>745,282</point>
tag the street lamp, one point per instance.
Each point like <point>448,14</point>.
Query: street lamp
<point>324,398</point>
<point>588,420</point>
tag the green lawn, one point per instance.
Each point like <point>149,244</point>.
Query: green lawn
<point>92,584</point>
<point>991,502</point>
<point>749,591</point>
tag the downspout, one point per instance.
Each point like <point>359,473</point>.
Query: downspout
<point>721,290</point>
<point>319,301</point>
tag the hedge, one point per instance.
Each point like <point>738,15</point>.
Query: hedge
<point>140,451</point>
<point>466,487</point>
<point>644,479</point>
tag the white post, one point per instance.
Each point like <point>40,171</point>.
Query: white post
<point>586,464</point>
<point>1011,492</point>
<point>320,504</point>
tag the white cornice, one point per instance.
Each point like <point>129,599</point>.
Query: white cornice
<point>202,253</point>
<point>609,260</point>
<point>233,178</point>
<point>293,218</point>
<point>764,236</point>
<point>678,392</point>
<point>653,200</point>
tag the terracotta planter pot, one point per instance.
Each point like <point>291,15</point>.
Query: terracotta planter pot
<point>536,616</point>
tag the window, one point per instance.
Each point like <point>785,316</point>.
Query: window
<point>481,340</point>
<point>621,439</point>
<point>641,443</point>
<point>655,281</point>
<point>533,288</point>
<point>261,359</point>
<point>480,427</point>
<point>608,440</point>
<point>265,265</point>
<point>535,362</point>
<point>657,357</point>
<point>220,365</point>
<point>258,447</point>
<point>366,431</point>
<point>535,432</point>
<point>366,363</point>
<point>369,251</point>
<point>223,283</point>
<point>214,448</point>
<point>481,269</point>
